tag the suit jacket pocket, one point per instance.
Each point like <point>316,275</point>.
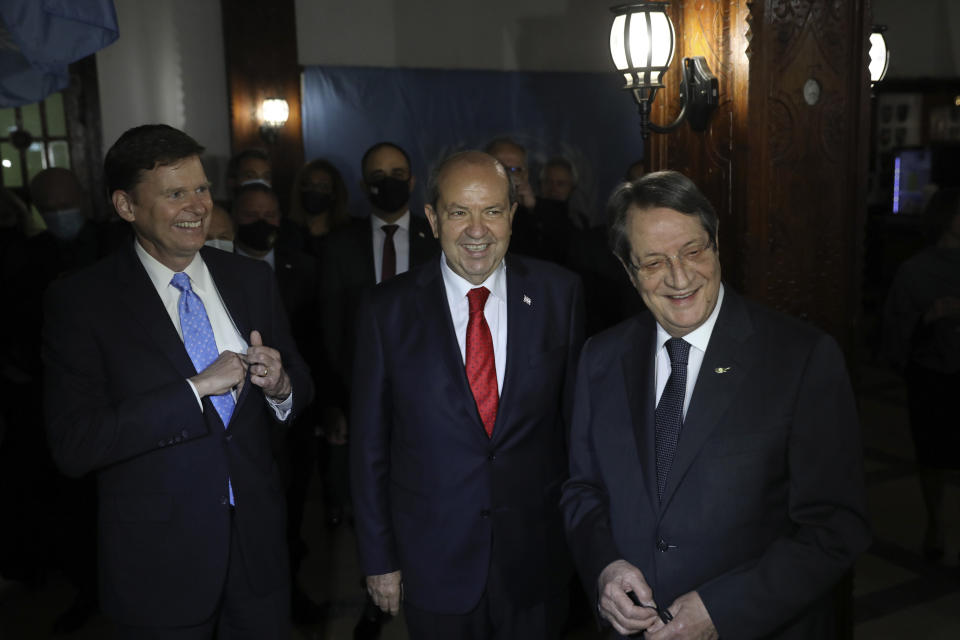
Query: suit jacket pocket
<point>150,507</point>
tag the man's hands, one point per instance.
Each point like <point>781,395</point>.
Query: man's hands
<point>386,590</point>
<point>230,369</point>
<point>691,621</point>
<point>615,606</point>
<point>266,369</point>
<point>222,375</point>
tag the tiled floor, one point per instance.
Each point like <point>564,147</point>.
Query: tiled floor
<point>897,594</point>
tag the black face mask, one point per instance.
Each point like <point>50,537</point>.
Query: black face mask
<point>315,202</point>
<point>389,194</point>
<point>259,235</point>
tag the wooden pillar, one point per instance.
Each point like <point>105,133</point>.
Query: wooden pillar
<point>260,43</point>
<point>785,157</point>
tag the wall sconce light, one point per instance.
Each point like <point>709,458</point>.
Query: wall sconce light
<point>642,41</point>
<point>879,54</point>
<point>273,115</point>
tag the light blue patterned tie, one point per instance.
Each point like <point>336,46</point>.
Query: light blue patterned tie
<point>200,344</point>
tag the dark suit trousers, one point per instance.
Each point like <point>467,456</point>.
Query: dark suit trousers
<point>494,618</point>
<point>241,614</point>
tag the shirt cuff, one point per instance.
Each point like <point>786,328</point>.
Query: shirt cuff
<point>282,408</point>
<point>196,394</point>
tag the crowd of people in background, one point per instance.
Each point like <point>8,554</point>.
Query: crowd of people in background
<point>324,252</point>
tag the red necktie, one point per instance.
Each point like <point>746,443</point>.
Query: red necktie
<point>481,370</point>
<point>388,268</point>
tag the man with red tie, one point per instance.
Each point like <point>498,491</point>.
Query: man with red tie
<point>462,378</point>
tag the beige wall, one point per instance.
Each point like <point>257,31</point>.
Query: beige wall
<point>168,67</point>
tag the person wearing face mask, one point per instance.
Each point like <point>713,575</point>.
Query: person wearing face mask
<point>257,219</point>
<point>221,233</point>
<point>318,202</point>
<point>69,243</point>
<point>70,238</point>
<point>353,259</point>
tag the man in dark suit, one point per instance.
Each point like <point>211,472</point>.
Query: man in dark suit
<point>360,256</point>
<point>160,379</point>
<point>462,375</point>
<point>715,456</point>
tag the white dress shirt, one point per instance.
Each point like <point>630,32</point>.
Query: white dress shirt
<point>225,332</point>
<point>699,338</point>
<point>495,311</point>
<point>401,242</point>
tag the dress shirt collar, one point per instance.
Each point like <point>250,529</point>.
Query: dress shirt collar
<point>458,288</point>
<point>403,222</point>
<point>699,337</point>
<point>161,275</point>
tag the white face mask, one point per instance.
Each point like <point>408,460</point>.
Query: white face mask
<point>256,181</point>
<point>220,243</point>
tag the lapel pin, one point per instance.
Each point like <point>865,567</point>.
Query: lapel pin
<point>527,301</point>
<point>721,369</point>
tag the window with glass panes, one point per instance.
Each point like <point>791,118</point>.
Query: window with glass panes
<point>32,138</point>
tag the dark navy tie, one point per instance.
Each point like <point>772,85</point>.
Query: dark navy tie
<point>669,413</point>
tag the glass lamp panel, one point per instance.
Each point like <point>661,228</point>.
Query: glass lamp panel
<point>640,40</point>
<point>879,57</point>
<point>662,39</point>
<point>617,52</point>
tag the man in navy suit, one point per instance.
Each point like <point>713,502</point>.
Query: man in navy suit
<point>191,521</point>
<point>461,384</point>
<point>715,467</point>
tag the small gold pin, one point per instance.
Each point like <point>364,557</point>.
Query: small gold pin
<point>527,301</point>
<point>721,369</point>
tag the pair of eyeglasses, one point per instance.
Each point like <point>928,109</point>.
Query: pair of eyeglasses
<point>688,258</point>
<point>664,614</point>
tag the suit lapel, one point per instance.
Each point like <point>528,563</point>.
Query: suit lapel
<point>231,289</point>
<point>520,329</point>
<point>725,366</point>
<point>141,299</point>
<point>638,374</point>
<point>435,319</point>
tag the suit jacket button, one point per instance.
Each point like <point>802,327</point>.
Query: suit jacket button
<point>161,444</point>
<point>662,545</point>
<point>224,500</point>
<point>492,457</point>
<point>184,434</point>
<point>485,513</point>
<point>227,437</point>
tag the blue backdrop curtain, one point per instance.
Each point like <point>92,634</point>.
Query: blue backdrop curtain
<point>584,117</point>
